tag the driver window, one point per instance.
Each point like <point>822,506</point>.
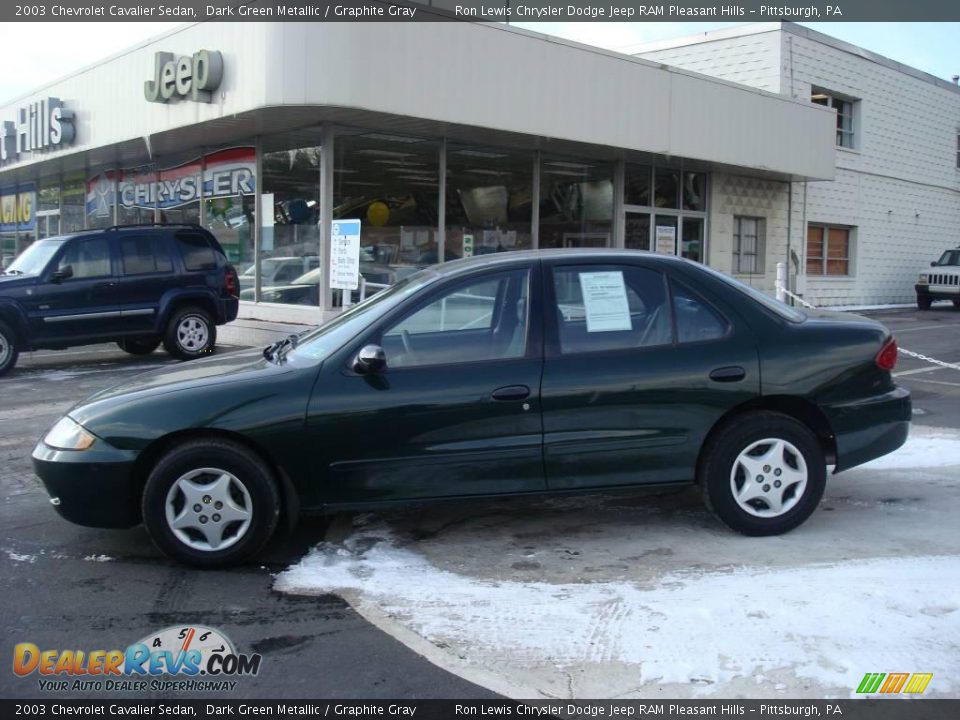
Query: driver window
<point>88,258</point>
<point>481,319</point>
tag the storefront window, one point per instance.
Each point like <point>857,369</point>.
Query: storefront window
<point>101,199</point>
<point>136,192</point>
<point>178,191</point>
<point>229,192</point>
<point>691,246</point>
<point>637,185</point>
<point>72,200</point>
<point>666,188</point>
<point>488,197</point>
<point>290,237</point>
<point>576,203</point>
<point>695,191</point>
<point>389,183</point>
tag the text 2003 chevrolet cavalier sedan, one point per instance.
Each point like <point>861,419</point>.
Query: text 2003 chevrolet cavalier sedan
<point>517,373</point>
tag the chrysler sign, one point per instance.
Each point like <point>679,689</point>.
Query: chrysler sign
<point>191,77</point>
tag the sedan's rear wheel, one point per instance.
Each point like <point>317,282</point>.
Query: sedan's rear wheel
<point>210,503</point>
<point>763,474</point>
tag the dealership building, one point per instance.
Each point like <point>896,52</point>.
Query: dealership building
<point>457,139</point>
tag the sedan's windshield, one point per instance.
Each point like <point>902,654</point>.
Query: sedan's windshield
<point>329,337</point>
<point>34,259</point>
<point>950,257</point>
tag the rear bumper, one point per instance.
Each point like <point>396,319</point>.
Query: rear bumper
<point>93,488</point>
<point>229,307</point>
<point>870,428</point>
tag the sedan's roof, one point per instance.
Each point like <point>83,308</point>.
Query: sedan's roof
<point>520,256</point>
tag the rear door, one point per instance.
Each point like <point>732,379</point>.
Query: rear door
<point>146,273</point>
<point>638,367</point>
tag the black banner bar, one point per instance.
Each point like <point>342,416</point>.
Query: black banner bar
<point>866,709</point>
<point>479,10</point>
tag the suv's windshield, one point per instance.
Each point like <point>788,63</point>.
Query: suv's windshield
<point>950,257</point>
<point>34,259</point>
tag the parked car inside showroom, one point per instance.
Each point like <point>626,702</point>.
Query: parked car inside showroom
<point>941,282</point>
<point>552,371</point>
<point>136,285</point>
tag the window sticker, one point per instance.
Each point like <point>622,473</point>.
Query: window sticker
<point>605,301</point>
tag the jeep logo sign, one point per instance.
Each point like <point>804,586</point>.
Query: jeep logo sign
<point>190,77</point>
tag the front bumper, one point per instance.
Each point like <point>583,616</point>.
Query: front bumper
<point>939,291</point>
<point>870,428</point>
<point>94,487</point>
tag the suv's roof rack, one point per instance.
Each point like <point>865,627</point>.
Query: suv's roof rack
<point>193,226</point>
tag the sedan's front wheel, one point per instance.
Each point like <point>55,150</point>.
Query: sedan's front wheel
<point>210,503</point>
<point>763,474</point>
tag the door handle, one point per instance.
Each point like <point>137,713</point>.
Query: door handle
<point>511,392</point>
<point>734,373</point>
<point>104,285</point>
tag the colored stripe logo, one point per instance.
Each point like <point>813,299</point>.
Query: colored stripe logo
<point>893,683</point>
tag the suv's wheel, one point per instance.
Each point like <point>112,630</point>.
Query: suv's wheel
<point>956,304</point>
<point>190,333</point>
<point>924,302</point>
<point>139,346</point>
<point>8,349</point>
<point>763,474</point>
<point>210,503</point>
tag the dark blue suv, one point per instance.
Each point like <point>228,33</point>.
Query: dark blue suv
<point>136,285</point>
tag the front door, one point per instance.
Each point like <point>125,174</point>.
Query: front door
<point>456,412</point>
<point>77,295</point>
<point>637,369</point>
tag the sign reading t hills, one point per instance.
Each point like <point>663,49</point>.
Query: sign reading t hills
<point>42,125</point>
<point>191,77</point>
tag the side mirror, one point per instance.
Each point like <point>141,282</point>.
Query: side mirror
<point>371,359</point>
<point>933,264</point>
<point>64,273</point>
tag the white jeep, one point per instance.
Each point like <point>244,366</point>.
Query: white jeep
<point>942,282</point>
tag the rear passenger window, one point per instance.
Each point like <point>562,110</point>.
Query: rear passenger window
<point>603,308</point>
<point>196,252</point>
<point>141,255</point>
<point>696,321</point>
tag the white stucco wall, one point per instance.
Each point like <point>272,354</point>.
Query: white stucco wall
<point>899,187</point>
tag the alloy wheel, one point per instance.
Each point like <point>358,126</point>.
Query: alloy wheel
<point>768,478</point>
<point>192,333</point>
<point>209,509</point>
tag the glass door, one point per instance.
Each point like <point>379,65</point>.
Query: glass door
<point>48,223</point>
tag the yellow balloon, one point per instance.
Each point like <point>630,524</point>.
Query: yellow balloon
<point>378,213</point>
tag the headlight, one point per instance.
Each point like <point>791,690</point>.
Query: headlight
<point>924,279</point>
<point>68,434</point>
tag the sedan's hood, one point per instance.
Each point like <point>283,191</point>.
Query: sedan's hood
<point>189,375</point>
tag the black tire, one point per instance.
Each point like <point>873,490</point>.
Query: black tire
<point>924,302</point>
<point>9,352</point>
<point>208,461</point>
<point>722,474</point>
<point>139,346</point>
<point>956,304</point>
<point>190,333</point>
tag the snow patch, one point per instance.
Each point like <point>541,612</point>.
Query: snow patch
<point>828,623</point>
<point>925,448</point>
<point>20,557</point>
<point>99,558</point>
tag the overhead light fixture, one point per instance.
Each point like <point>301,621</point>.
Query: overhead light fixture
<point>392,138</point>
<point>383,153</point>
<point>404,163</point>
<point>565,164</point>
<point>479,154</point>
<point>361,182</point>
<point>481,171</point>
<point>571,173</point>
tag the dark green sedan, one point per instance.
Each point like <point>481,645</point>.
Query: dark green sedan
<point>509,374</point>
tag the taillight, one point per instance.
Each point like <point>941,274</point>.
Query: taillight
<point>886,359</point>
<point>231,282</point>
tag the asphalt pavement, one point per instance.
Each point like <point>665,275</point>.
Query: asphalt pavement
<point>68,587</point>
